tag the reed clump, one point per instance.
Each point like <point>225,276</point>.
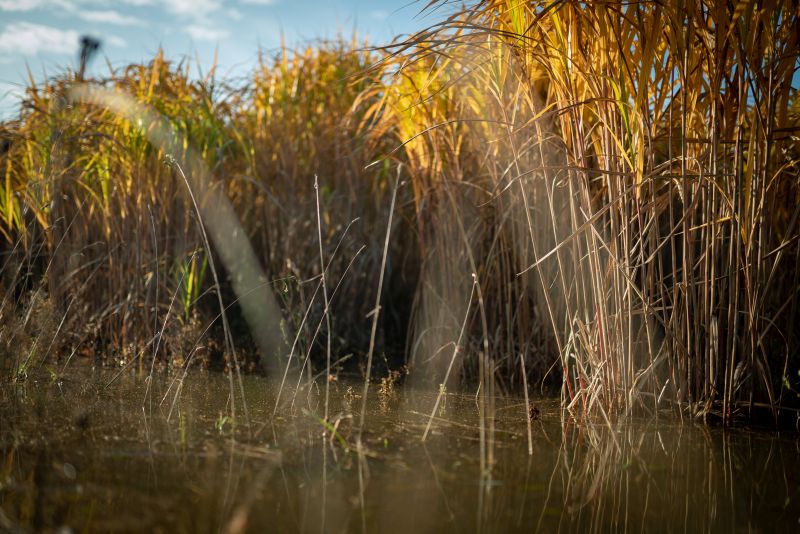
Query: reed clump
<point>90,206</point>
<point>100,214</point>
<point>610,190</point>
<point>632,171</point>
<point>306,117</point>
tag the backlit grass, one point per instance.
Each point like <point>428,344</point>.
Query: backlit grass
<point>608,190</point>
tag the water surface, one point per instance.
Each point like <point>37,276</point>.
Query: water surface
<point>103,450</point>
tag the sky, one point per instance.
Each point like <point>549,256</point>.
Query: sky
<point>43,35</point>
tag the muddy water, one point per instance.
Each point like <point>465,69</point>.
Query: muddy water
<point>92,450</point>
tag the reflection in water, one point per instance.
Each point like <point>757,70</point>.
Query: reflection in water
<point>78,454</point>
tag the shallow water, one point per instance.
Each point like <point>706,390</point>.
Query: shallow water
<point>163,454</point>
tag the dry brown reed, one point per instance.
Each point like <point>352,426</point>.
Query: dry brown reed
<point>617,183</point>
<point>631,170</point>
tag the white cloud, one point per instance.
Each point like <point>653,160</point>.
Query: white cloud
<point>109,17</point>
<point>28,38</point>
<point>204,33</point>
<point>259,2</point>
<point>192,8</point>
<point>78,7</point>
<point>28,5</point>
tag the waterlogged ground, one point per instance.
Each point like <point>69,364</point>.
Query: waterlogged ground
<point>100,450</point>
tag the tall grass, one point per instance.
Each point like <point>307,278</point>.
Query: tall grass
<point>609,190</point>
<point>97,219</point>
<point>632,173</point>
